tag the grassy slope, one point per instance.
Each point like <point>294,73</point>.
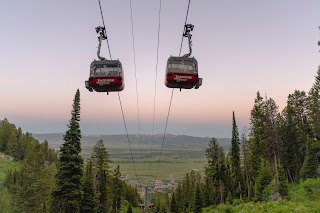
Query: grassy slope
<point>298,201</point>
<point>5,166</point>
<point>5,198</point>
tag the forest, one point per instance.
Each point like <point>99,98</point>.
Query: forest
<point>49,181</point>
<point>272,167</point>
<point>281,151</point>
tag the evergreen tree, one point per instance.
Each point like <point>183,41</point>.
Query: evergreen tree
<point>271,151</point>
<point>100,157</point>
<point>179,196</point>
<point>264,178</point>
<point>283,183</point>
<point>33,189</point>
<point>217,171</point>
<point>208,192</point>
<point>245,163</point>
<point>117,190</point>
<point>197,200</point>
<point>68,193</point>
<point>101,174</point>
<point>310,164</point>
<point>157,205</point>
<point>131,194</point>
<point>235,158</point>
<point>129,209</point>
<point>12,144</point>
<point>229,198</point>
<point>88,201</point>
<point>257,140</point>
<point>316,85</point>
<point>314,118</point>
<point>45,149</point>
<point>293,129</point>
<point>103,202</point>
<point>173,204</point>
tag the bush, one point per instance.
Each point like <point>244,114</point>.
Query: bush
<point>312,187</point>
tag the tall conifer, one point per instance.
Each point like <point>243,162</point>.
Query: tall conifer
<point>173,204</point>
<point>88,201</point>
<point>197,200</point>
<point>310,164</point>
<point>257,127</point>
<point>235,158</point>
<point>117,190</point>
<point>68,193</point>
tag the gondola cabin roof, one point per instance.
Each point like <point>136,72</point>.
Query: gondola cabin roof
<point>176,58</point>
<point>106,62</point>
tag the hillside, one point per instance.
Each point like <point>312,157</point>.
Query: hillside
<point>120,141</point>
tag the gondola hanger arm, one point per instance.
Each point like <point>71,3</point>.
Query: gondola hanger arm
<point>102,36</point>
<point>187,33</point>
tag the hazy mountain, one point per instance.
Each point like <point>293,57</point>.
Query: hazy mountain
<point>56,139</point>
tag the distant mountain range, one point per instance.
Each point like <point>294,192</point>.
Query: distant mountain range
<point>56,139</point>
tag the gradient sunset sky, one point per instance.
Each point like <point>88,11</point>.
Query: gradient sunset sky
<point>242,47</point>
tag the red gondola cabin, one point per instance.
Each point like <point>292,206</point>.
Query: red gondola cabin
<point>182,72</point>
<point>105,76</point>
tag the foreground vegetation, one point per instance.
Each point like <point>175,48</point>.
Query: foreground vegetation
<point>302,198</point>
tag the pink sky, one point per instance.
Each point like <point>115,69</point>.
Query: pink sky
<point>241,47</point>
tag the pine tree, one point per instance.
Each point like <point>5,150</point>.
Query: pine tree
<point>264,178</point>
<point>245,163</point>
<point>229,198</point>
<point>129,209</point>
<point>88,201</point>
<point>12,144</point>
<point>178,196</point>
<point>100,157</point>
<point>316,85</point>
<point>33,189</point>
<point>257,127</point>
<point>216,170</point>
<point>173,204</point>
<point>310,164</point>
<point>208,192</point>
<point>68,193</point>
<point>103,202</point>
<point>157,205</point>
<point>283,184</point>
<point>235,158</point>
<point>131,194</point>
<point>293,129</point>
<point>197,200</point>
<point>101,174</point>
<point>117,190</point>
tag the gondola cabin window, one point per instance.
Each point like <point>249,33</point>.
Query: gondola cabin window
<point>103,70</point>
<point>181,67</point>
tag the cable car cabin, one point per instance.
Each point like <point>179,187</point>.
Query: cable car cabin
<point>105,76</point>
<point>182,72</point>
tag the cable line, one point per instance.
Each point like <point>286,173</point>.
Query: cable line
<point>165,130</point>
<point>123,117</point>
<point>155,84</point>
<point>105,29</point>
<point>125,125</point>
<point>164,134</point>
<point>185,22</point>
<point>135,75</point>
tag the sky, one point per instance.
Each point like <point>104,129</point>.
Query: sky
<point>242,47</point>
